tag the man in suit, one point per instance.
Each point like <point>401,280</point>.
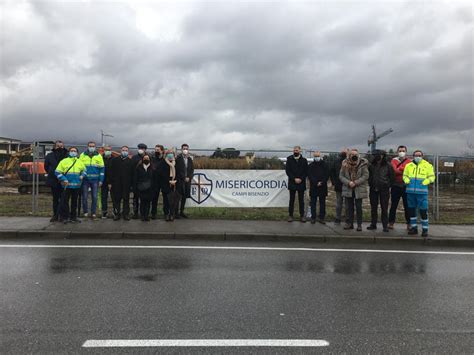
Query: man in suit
<point>184,175</point>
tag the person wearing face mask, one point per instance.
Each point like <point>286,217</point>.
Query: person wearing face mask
<point>318,175</point>
<point>336,182</point>
<point>297,170</point>
<point>354,176</point>
<point>381,178</point>
<point>143,184</point>
<point>184,175</point>
<point>398,189</point>
<point>104,190</point>
<point>95,177</point>
<point>156,159</point>
<point>418,175</point>
<point>137,160</point>
<point>70,172</point>
<point>120,178</point>
<point>167,176</point>
<point>51,162</point>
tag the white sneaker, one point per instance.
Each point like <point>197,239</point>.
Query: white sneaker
<point>94,216</point>
<point>86,215</point>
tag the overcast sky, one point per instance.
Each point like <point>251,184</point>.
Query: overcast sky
<point>239,74</point>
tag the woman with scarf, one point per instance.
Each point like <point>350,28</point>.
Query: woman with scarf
<point>143,183</point>
<point>166,174</point>
<point>354,176</point>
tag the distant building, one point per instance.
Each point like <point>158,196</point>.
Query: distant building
<point>9,145</point>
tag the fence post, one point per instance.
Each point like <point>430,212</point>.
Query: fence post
<point>437,188</point>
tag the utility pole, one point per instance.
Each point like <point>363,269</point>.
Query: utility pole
<point>102,137</point>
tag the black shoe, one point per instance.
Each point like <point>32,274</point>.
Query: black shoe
<point>386,230</point>
<point>413,231</point>
<point>153,216</point>
<point>303,219</point>
<point>126,218</point>
<point>135,216</point>
<point>117,217</point>
<point>66,221</point>
<point>167,218</point>
<point>337,222</point>
<point>147,219</point>
<point>183,215</point>
<point>75,220</point>
<point>424,233</point>
<point>321,220</point>
<point>177,216</point>
<point>348,226</point>
<point>371,227</point>
<point>54,219</point>
<point>313,221</point>
<point>290,219</point>
<point>143,219</point>
<point>359,228</point>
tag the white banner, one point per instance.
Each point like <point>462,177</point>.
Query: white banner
<point>239,188</point>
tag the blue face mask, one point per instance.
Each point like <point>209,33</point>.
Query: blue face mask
<point>124,153</point>
<point>73,154</point>
<point>170,156</point>
<point>107,153</point>
<point>417,159</point>
<point>317,158</point>
<point>91,149</point>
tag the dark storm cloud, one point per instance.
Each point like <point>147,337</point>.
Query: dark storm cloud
<point>251,75</point>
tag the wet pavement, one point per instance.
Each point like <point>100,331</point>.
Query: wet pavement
<point>360,301</point>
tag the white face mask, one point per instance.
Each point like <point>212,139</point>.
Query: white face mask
<point>402,154</point>
<point>317,158</point>
<point>141,151</point>
<point>185,151</point>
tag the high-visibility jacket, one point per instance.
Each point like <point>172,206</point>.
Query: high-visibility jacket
<point>94,166</point>
<point>417,177</point>
<point>66,171</point>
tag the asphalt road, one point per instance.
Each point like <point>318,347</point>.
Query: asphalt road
<point>53,300</point>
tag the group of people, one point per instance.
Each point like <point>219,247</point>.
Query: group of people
<point>355,178</point>
<point>148,175</point>
<point>71,174</point>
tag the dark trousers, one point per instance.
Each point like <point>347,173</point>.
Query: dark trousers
<point>182,203</point>
<point>121,198</point>
<point>69,204</point>
<point>291,207</point>
<point>136,203</point>
<point>352,202</point>
<point>173,199</point>
<point>322,206</point>
<point>56,192</point>
<point>397,193</point>
<point>145,203</point>
<point>376,198</point>
<point>104,197</point>
<point>154,201</point>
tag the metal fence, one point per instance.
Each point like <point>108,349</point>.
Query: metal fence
<point>454,185</point>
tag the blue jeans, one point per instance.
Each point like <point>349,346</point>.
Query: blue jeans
<point>94,186</point>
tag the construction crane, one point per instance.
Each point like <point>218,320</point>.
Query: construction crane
<point>374,137</point>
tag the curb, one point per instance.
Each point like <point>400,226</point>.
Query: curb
<point>333,239</point>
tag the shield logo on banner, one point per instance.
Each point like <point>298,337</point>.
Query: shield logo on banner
<point>201,188</point>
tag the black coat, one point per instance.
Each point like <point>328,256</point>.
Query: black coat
<point>381,176</point>
<point>318,172</point>
<point>121,174</point>
<point>334,174</point>
<point>107,167</point>
<point>162,176</point>
<point>296,169</point>
<point>142,176</point>
<point>51,162</point>
<point>156,163</point>
<point>184,188</point>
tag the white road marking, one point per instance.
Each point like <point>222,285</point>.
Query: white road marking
<point>234,248</point>
<point>120,343</point>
